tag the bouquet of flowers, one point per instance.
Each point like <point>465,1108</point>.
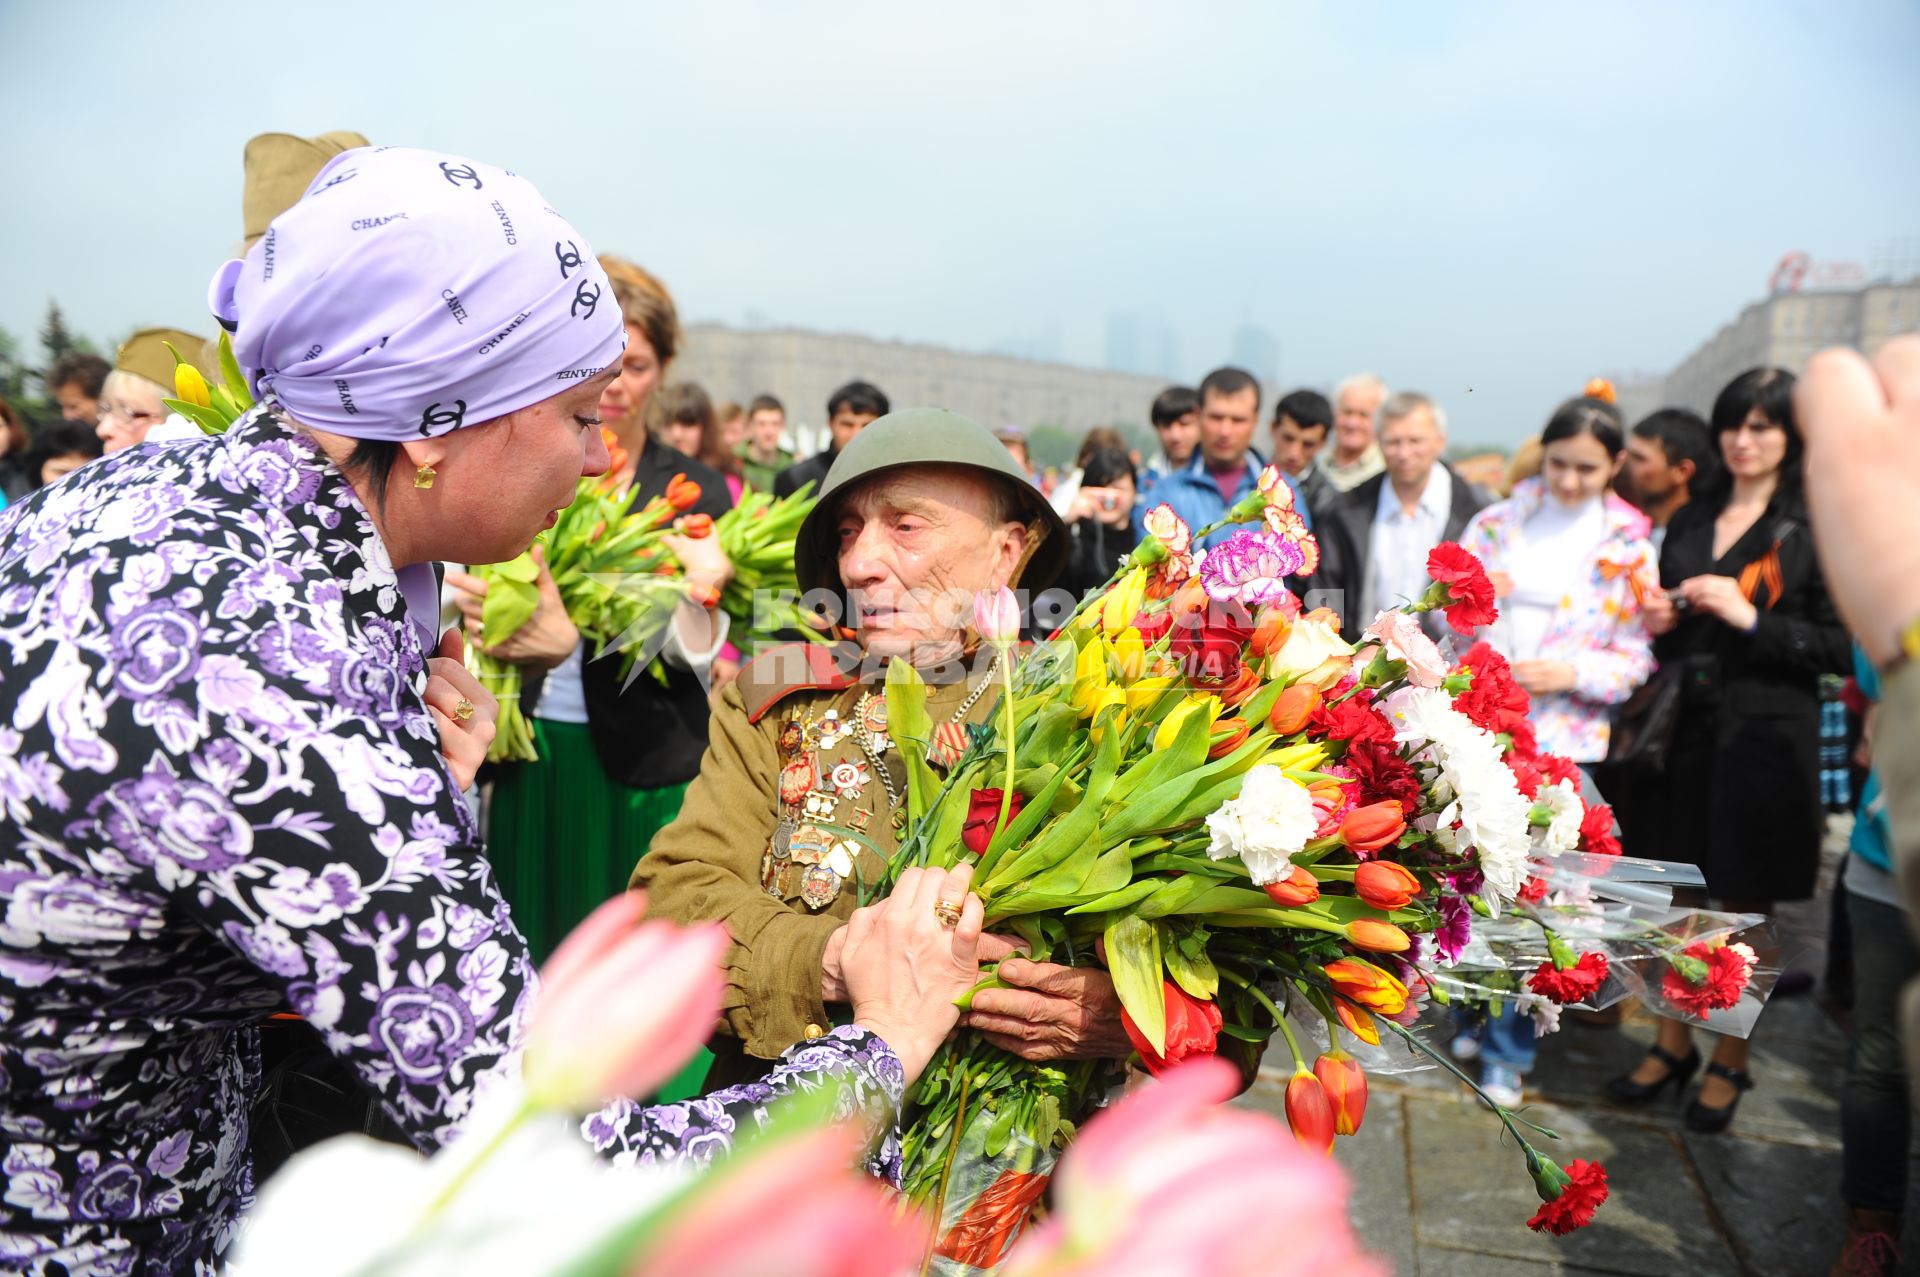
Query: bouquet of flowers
<point>212,408</point>
<point>1249,821</point>
<point>620,584</point>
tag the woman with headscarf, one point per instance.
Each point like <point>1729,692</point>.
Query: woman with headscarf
<point>231,760</point>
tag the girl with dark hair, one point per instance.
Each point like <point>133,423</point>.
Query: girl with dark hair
<point>16,479</point>
<point>1101,516</point>
<point>1570,561</point>
<point>1745,616</point>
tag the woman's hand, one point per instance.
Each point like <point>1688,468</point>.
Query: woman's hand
<point>1502,584</point>
<point>1658,614</point>
<point>548,637</point>
<point>1720,596</point>
<point>463,741</point>
<point>1104,504</point>
<point>904,969</point>
<point>1545,678</point>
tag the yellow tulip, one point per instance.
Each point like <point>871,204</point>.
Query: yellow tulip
<point>1089,677</point>
<point>1129,654</point>
<point>1145,693</point>
<point>1107,696</point>
<point>1123,602</point>
<point>1208,705</point>
<point>189,385</point>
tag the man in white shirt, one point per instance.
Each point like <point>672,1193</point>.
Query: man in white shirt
<point>1374,540</point>
<point>1356,454</point>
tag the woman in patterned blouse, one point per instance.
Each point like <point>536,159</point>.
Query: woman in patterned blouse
<point>230,762</point>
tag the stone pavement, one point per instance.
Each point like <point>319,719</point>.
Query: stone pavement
<point>1438,1192</point>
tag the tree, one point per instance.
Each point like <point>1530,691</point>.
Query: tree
<point>54,336</point>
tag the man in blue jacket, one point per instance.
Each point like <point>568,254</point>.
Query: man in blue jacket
<point>1225,466</point>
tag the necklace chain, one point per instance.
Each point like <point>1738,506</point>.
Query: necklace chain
<point>864,736</point>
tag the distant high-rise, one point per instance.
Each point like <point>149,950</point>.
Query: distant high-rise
<point>1123,342</point>
<point>1258,351</point>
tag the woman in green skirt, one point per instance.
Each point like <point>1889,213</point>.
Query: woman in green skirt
<point>565,832</point>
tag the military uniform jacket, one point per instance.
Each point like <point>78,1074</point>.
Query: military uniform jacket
<point>789,826</point>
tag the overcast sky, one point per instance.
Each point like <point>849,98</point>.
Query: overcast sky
<point>1487,201</point>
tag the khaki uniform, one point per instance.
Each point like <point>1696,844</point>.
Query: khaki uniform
<point>786,829</point>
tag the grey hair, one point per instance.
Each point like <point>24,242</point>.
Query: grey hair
<point>1359,381</point>
<point>1405,403</point>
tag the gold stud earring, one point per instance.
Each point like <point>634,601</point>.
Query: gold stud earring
<point>424,477</point>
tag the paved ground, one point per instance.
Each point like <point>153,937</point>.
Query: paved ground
<point>1436,1191</point>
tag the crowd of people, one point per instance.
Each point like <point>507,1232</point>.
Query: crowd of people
<point>1662,600</point>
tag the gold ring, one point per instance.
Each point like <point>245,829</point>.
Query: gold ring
<point>464,710</point>
<point>948,913</point>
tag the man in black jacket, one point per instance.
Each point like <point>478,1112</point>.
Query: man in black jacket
<point>1302,421</point>
<point>848,411</point>
<point>1374,539</point>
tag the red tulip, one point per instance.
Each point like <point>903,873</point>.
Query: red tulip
<point>1385,884</point>
<point>1309,1113</point>
<point>1228,735</point>
<point>682,493</point>
<point>1367,829</point>
<point>1293,708</point>
<point>983,818</point>
<point>1345,1083</point>
<point>694,526</point>
<point>1193,1029</point>
<point>1298,888</point>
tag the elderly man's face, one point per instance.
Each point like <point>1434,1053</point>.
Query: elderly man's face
<point>1412,444</point>
<point>914,547</point>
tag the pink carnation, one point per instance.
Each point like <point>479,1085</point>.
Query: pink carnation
<point>1405,641</point>
<point>1250,568</point>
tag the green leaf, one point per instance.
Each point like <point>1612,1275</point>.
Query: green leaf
<point>209,421</point>
<point>236,381</point>
<point>508,606</point>
<point>1188,963</point>
<point>909,724</point>
<point>1133,958</point>
<point>522,569</point>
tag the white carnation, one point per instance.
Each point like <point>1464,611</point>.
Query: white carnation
<point>1461,762</point>
<point>1563,800</point>
<point>1271,820</point>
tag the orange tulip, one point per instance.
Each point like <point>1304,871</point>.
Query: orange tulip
<point>702,595</point>
<point>1385,884</point>
<point>1241,690</point>
<point>1298,888</point>
<point>1345,1084</point>
<point>695,526</point>
<point>1228,735</point>
<point>683,493</point>
<point>1367,985</point>
<point>1309,1113</point>
<point>1188,600</point>
<point>1376,936</point>
<point>1367,829</point>
<point>1294,707</point>
<point>599,530</point>
<point>1357,1022</point>
<point>1270,634</point>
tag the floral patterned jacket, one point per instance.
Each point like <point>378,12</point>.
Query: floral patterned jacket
<point>1597,629</point>
<point>223,796</point>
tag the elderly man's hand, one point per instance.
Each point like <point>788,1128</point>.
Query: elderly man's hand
<point>1862,426</point>
<point>1051,1013</point>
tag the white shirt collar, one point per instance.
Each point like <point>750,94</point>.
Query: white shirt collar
<point>1436,502</point>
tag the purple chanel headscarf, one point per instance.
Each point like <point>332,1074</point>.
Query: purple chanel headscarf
<point>410,293</point>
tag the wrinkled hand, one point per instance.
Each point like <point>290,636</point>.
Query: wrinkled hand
<point>462,744</point>
<point>1051,1013</point>
<point>905,969</point>
<point>548,637</point>
<point>1545,678</point>
<point>1720,596</point>
<point>1862,426</point>
<point>701,558</point>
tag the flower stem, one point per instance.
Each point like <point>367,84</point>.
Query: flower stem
<point>946,1170</point>
<point>494,1144</point>
<point>1506,1116</point>
<point>1006,709</point>
<point>1279,1016</point>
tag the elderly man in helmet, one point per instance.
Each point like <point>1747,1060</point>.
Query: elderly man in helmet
<point>801,795</point>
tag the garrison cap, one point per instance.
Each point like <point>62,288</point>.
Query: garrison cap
<point>145,354</point>
<point>923,437</point>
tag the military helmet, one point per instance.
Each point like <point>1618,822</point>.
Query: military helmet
<point>921,437</point>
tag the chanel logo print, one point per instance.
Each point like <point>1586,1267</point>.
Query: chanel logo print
<point>569,254</point>
<point>338,178</point>
<point>434,416</point>
<point>460,174</point>
<point>587,295</point>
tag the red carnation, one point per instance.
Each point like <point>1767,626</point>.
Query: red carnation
<point>1596,831</point>
<point>1576,984</point>
<point>1534,891</point>
<point>1353,719</point>
<point>1525,774</point>
<point>1558,769</point>
<point>1494,701</point>
<point>983,818</point>
<point>1585,1190</point>
<point>1728,968</point>
<point>1469,593</point>
<point>1380,774</point>
<point>1525,743</point>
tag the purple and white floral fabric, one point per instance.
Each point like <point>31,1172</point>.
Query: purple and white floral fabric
<point>221,796</point>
